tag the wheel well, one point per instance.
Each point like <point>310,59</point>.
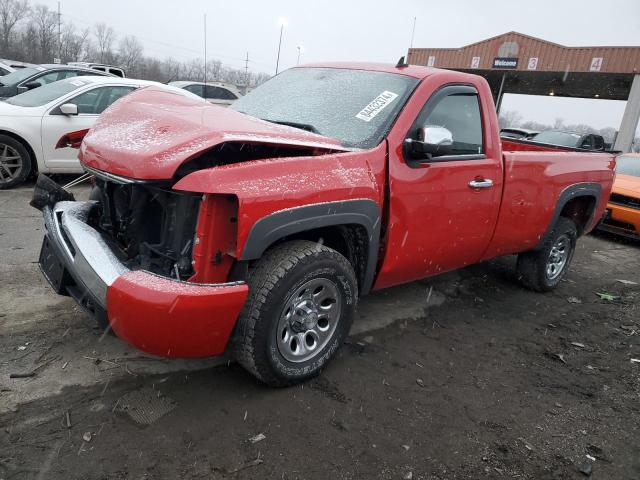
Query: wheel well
<point>351,241</point>
<point>25,144</point>
<point>580,211</point>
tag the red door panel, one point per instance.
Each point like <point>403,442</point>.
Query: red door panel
<point>437,222</point>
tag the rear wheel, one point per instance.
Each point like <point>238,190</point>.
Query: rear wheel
<point>15,162</point>
<point>543,269</point>
<point>302,298</point>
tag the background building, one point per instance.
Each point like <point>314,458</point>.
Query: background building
<point>520,64</point>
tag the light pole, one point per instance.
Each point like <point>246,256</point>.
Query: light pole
<point>282,22</point>
<point>300,49</point>
<point>205,48</point>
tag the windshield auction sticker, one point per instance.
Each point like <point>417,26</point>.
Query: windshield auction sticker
<point>379,103</point>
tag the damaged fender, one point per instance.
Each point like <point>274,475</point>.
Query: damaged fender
<point>282,196</point>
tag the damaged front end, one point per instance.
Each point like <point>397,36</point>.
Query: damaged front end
<point>127,258</point>
<point>150,226</point>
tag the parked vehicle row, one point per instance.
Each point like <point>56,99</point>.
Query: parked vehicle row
<point>101,67</point>
<point>26,79</point>
<point>255,229</point>
<point>553,139</point>
<point>37,109</point>
<point>31,124</point>
<point>219,93</point>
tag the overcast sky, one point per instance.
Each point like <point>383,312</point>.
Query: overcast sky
<point>366,30</point>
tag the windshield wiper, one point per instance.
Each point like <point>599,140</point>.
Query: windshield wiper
<point>303,126</point>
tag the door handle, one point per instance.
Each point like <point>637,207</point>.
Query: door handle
<point>484,183</point>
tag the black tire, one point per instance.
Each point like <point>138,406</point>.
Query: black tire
<point>12,176</point>
<point>274,281</point>
<point>532,266</point>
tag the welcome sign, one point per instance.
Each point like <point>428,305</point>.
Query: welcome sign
<point>505,62</point>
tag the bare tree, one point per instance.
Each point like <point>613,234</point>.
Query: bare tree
<point>104,39</point>
<point>11,13</point>
<point>509,118</point>
<point>45,22</point>
<point>28,32</point>
<point>130,54</point>
<point>73,44</point>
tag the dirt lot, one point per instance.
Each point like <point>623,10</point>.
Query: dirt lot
<point>464,376</point>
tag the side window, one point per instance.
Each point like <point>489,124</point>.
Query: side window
<point>46,78</point>
<point>197,89</point>
<point>220,93</point>
<point>67,74</point>
<point>598,142</point>
<point>96,101</point>
<point>460,114</point>
<point>587,142</point>
<point>54,76</point>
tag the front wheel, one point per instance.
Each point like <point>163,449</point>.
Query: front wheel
<point>543,269</point>
<point>302,298</point>
<point>15,162</point>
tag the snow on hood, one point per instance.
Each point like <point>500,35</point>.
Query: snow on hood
<point>149,133</point>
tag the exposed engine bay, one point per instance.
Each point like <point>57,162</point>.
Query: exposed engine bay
<point>152,227</point>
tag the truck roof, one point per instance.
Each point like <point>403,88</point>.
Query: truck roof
<point>414,71</point>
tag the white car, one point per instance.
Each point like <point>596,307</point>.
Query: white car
<point>32,123</point>
<point>6,69</point>
<point>218,93</point>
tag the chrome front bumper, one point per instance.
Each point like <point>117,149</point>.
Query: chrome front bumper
<point>81,251</point>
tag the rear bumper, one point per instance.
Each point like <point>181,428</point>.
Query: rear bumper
<point>158,315</point>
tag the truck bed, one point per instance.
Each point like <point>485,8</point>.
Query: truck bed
<point>534,181</point>
<point>518,144</point>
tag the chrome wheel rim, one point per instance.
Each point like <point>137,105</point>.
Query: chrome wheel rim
<point>308,320</point>
<point>558,257</point>
<point>10,163</point>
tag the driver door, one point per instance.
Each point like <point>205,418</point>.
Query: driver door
<point>443,209</point>
<point>55,124</point>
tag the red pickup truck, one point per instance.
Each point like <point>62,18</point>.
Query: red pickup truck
<point>256,229</point>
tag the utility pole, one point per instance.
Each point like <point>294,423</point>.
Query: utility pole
<point>205,48</point>
<point>246,74</point>
<point>59,34</point>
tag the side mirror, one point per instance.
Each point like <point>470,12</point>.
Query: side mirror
<point>433,141</point>
<point>29,86</point>
<point>69,109</point>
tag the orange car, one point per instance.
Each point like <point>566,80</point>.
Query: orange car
<point>623,210</point>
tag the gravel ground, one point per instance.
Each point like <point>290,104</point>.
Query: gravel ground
<point>463,376</point>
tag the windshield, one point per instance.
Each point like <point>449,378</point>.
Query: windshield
<point>18,76</point>
<point>47,93</point>
<point>558,138</point>
<point>356,107</point>
<point>627,165</point>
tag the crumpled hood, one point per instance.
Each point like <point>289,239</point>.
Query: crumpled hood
<point>149,133</point>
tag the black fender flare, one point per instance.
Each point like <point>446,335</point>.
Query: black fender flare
<point>275,226</point>
<point>584,189</point>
